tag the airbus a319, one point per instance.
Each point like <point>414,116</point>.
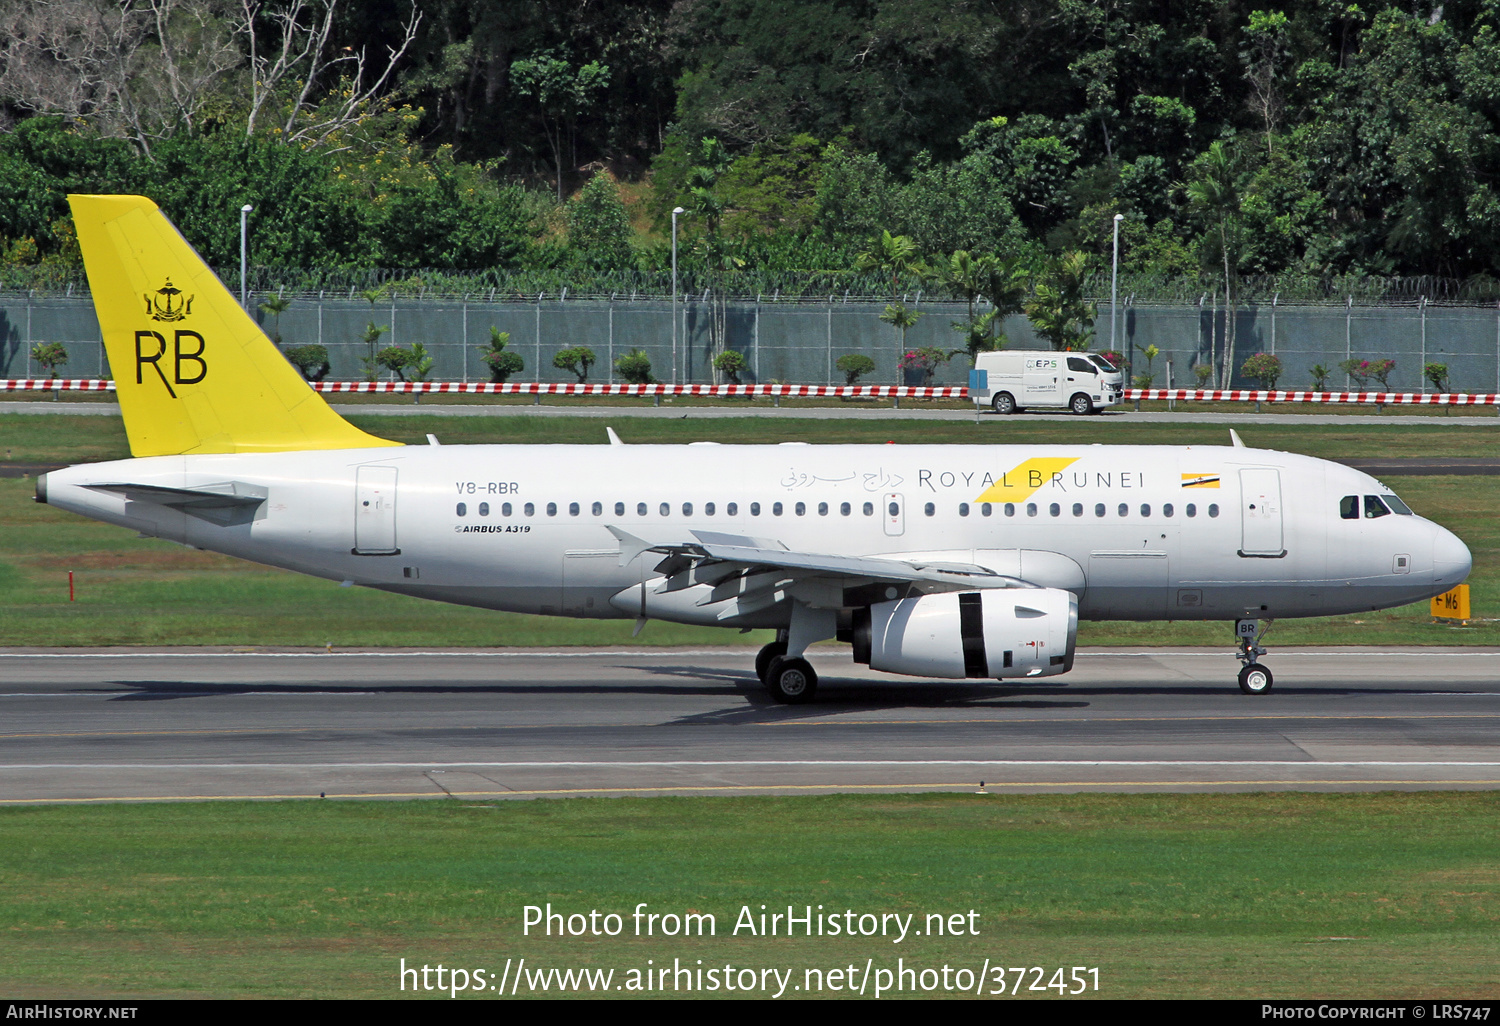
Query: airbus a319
<point>945,561</point>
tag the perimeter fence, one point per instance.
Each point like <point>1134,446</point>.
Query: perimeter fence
<point>801,340</point>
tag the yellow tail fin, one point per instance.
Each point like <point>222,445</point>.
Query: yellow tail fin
<point>193,371</point>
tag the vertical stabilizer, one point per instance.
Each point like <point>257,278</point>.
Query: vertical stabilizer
<point>193,371</point>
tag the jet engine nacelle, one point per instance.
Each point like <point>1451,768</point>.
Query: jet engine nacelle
<point>996,633</point>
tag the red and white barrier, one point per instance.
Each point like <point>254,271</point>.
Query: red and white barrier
<point>535,388</point>
<point>1249,395</point>
<point>56,385</point>
<point>805,391</point>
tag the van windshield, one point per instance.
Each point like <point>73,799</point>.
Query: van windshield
<point>1103,363</point>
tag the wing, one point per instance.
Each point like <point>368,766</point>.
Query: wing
<point>758,571</point>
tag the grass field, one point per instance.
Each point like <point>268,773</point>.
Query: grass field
<point>135,591</point>
<point>1277,895</point>
<point>78,439</point>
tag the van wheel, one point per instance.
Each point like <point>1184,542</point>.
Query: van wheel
<point>1082,405</point>
<point>1004,403</point>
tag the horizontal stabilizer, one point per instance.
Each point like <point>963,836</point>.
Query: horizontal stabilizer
<point>225,503</point>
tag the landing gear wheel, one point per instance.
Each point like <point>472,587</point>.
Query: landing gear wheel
<point>791,681</point>
<point>1004,403</point>
<point>1082,405</point>
<point>1255,679</point>
<point>765,655</point>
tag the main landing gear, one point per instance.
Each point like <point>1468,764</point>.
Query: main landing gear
<point>1255,679</point>
<point>791,681</point>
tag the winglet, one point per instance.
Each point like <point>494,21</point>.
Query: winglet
<point>1234,436</point>
<point>614,439</point>
<point>193,371</point>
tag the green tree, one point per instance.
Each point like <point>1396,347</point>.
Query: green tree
<point>576,360</point>
<point>599,231</point>
<point>371,360</point>
<point>501,362</point>
<point>394,359</point>
<point>310,360</point>
<point>902,319</point>
<point>51,355</point>
<point>1265,53</point>
<point>1214,195</point>
<point>731,363</point>
<point>635,367</point>
<point>418,363</point>
<point>275,306</point>
<point>562,92</point>
<point>1058,310</point>
<point>853,366</point>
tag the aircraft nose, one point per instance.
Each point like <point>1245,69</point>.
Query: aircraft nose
<point>1451,561</point>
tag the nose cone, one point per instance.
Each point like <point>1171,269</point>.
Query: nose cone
<point>1451,560</point>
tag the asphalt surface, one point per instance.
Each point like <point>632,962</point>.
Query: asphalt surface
<point>472,726</point>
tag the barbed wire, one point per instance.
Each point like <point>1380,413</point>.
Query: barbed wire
<point>380,285</point>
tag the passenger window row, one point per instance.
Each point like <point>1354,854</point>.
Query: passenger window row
<point>732,509</point>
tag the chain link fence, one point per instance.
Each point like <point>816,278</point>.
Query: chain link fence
<point>799,341</point>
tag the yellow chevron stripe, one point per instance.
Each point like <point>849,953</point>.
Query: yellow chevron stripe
<point>1019,484</point>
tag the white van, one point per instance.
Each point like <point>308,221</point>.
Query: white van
<point>1010,382</point>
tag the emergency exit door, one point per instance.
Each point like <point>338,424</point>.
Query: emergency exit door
<point>1260,513</point>
<point>375,512</point>
<point>893,506</point>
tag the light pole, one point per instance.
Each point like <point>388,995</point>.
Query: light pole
<point>1115,278</point>
<point>244,250</point>
<point>1114,281</point>
<point>675,212</point>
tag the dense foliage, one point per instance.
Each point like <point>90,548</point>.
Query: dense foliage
<point>544,144</point>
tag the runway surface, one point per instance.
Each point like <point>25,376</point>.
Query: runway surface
<point>199,724</point>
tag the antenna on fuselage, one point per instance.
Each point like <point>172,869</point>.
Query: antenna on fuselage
<point>1234,436</point>
<point>614,439</point>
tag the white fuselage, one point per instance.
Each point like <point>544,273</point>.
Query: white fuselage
<point>1136,532</point>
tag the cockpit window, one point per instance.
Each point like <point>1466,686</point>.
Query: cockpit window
<point>1398,506</point>
<point>1349,507</point>
<point>1375,508</point>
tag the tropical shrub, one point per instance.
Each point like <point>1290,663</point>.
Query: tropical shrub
<point>853,365</point>
<point>502,363</point>
<point>635,367</point>
<point>51,355</point>
<point>1264,368</point>
<point>1437,373</point>
<point>577,360</point>
<point>311,360</point>
<point>926,360</point>
<point>731,363</point>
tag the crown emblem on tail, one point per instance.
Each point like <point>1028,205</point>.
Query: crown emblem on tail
<point>166,303</point>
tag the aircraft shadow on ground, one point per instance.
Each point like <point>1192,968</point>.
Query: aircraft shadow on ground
<point>843,694</point>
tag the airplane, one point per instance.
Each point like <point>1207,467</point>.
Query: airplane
<point>971,562</point>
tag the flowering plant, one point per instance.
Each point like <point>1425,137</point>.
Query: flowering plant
<point>1264,368</point>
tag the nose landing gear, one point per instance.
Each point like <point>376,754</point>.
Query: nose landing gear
<point>1255,679</point>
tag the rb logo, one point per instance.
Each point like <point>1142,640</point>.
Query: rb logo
<point>180,356</point>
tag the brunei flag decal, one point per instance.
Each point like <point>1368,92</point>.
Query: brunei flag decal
<point>1200,480</point>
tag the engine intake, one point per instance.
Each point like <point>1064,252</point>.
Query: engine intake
<point>994,633</point>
